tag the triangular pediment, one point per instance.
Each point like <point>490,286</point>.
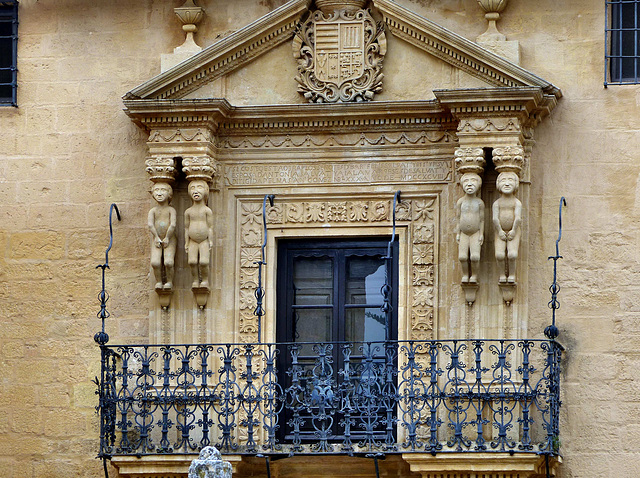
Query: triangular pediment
<point>245,48</point>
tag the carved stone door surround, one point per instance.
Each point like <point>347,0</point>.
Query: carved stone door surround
<point>335,168</point>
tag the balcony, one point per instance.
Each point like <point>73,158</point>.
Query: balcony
<point>358,399</point>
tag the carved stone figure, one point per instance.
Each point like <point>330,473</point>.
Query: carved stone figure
<point>507,217</point>
<point>209,464</point>
<point>470,227</point>
<point>198,233</point>
<point>162,224</point>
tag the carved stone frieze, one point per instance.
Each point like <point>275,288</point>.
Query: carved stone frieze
<point>181,135</point>
<point>419,215</point>
<point>488,125</point>
<point>430,171</point>
<point>339,55</point>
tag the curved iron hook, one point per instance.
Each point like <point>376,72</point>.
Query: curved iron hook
<point>552,331</point>
<point>386,288</point>
<point>102,337</point>
<point>259,293</point>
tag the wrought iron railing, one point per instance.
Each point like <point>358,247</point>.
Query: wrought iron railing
<point>340,398</point>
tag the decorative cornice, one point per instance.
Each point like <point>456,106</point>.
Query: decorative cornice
<point>218,114</point>
<point>457,50</point>
<point>529,104</point>
<point>225,55</point>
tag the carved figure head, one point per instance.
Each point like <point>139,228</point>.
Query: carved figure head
<point>162,192</point>
<point>199,190</point>
<point>470,182</point>
<point>507,182</point>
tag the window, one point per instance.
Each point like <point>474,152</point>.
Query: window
<point>8,52</point>
<point>329,292</point>
<point>622,42</point>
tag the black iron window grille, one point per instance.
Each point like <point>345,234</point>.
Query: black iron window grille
<point>622,42</point>
<point>8,52</point>
<point>398,397</point>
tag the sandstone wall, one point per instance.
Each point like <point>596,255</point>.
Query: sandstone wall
<point>68,151</point>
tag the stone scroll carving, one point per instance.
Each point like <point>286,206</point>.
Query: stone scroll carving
<point>339,55</point>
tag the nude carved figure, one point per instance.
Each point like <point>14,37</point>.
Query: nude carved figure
<point>162,225</point>
<point>470,227</point>
<point>198,233</point>
<point>507,217</point>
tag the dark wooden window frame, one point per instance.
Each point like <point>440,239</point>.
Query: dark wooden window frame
<point>8,53</point>
<point>622,42</point>
<point>324,247</point>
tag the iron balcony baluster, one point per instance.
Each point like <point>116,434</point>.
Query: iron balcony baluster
<point>387,397</point>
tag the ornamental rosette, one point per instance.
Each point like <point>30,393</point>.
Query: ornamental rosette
<point>339,56</point>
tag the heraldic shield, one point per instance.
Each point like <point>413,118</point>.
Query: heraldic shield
<point>340,56</point>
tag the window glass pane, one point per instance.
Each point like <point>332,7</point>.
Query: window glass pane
<point>6,28</point>
<point>313,281</point>
<point>628,43</point>
<point>5,76</point>
<point>312,325</point>
<point>365,278</point>
<point>6,52</point>
<point>364,325</point>
<point>5,93</point>
<point>628,15</point>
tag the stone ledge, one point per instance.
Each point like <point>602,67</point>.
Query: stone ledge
<point>165,466</point>
<point>472,465</point>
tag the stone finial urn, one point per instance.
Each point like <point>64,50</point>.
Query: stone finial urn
<point>330,6</point>
<point>492,10</point>
<point>190,15</point>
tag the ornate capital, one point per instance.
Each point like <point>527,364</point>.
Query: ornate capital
<point>509,158</point>
<point>469,160</point>
<point>161,168</point>
<point>199,167</point>
<point>339,54</point>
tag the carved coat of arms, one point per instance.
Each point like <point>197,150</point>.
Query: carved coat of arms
<point>340,56</point>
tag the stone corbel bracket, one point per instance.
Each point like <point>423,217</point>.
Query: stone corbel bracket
<point>525,106</point>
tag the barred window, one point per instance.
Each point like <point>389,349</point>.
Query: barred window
<point>8,52</point>
<point>622,42</point>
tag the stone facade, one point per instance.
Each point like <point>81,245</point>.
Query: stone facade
<point>69,151</point>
